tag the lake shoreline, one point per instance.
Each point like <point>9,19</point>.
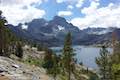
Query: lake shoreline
<point>84,54</point>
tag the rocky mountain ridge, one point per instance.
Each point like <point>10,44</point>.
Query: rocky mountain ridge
<point>52,32</point>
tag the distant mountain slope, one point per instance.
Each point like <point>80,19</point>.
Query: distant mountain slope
<point>52,32</point>
<point>99,30</point>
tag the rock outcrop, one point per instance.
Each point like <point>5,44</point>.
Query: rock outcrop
<point>15,70</point>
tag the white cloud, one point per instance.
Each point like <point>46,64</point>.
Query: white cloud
<point>71,3</point>
<point>64,13</point>
<point>70,7</point>
<point>21,11</point>
<point>20,2</point>
<point>61,1</point>
<point>95,0</point>
<point>91,9</point>
<point>79,3</point>
<point>98,17</point>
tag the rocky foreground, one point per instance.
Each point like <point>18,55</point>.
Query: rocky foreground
<point>15,70</point>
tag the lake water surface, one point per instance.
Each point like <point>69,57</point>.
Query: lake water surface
<point>84,54</point>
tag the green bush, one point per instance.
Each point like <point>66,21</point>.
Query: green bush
<point>33,61</point>
<point>93,77</point>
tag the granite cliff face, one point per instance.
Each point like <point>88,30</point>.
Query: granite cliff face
<point>15,70</point>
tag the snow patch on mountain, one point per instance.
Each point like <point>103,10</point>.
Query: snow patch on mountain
<point>61,27</point>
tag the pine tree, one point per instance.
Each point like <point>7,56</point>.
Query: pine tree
<point>48,62</point>
<point>2,23</point>
<point>7,38</point>
<point>19,50</point>
<point>104,64</point>
<point>68,56</point>
<point>115,56</point>
<point>56,67</point>
<point>116,49</point>
<point>114,41</point>
<point>51,63</point>
<point>4,36</point>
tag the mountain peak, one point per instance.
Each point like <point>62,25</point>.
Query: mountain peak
<point>58,18</point>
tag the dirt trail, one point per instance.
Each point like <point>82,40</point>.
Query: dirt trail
<point>4,78</point>
<point>44,77</point>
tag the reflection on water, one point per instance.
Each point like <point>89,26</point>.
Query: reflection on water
<point>84,54</point>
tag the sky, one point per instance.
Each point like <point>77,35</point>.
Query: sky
<point>81,13</point>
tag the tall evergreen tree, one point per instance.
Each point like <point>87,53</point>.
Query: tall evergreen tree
<point>114,41</point>
<point>55,70</point>
<point>7,38</point>
<point>19,50</point>
<point>116,48</point>
<point>4,36</point>
<point>104,64</point>
<point>115,56</point>
<point>68,56</point>
<point>48,62</point>
<point>51,63</point>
